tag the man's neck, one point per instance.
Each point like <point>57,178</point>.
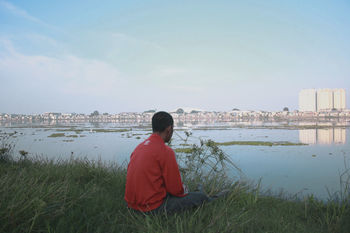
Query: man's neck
<point>161,134</point>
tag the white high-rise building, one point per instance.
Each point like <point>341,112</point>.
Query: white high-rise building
<point>321,100</point>
<point>307,100</point>
<point>339,99</point>
<point>324,99</point>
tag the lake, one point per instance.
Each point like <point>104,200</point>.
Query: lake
<point>307,169</point>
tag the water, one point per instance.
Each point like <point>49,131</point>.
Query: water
<point>310,169</point>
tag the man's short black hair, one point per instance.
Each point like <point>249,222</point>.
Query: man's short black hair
<point>161,120</point>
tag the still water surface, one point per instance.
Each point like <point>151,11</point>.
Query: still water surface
<point>310,169</point>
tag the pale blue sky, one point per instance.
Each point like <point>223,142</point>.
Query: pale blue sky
<point>117,56</point>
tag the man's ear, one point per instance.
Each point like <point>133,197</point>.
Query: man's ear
<point>168,129</point>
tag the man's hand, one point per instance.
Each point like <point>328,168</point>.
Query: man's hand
<point>185,188</point>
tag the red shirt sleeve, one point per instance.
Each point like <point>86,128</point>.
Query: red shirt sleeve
<point>171,174</point>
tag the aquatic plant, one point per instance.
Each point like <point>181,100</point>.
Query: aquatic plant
<point>259,143</point>
<point>56,135</point>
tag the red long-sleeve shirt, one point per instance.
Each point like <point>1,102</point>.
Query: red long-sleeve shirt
<point>152,173</point>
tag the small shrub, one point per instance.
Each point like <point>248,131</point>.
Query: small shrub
<point>6,148</point>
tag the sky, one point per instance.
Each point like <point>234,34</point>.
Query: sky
<point>131,56</point>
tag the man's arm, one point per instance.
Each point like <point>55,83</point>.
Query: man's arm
<point>171,174</point>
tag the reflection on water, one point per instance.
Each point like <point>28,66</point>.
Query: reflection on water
<point>323,136</point>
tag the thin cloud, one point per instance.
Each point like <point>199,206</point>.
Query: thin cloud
<point>131,39</point>
<point>170,71</point>
<point>24,14</point>
<point>68,74</point>
<point>6,46</point>
<point>19,12</point>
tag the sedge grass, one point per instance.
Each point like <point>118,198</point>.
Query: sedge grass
<point>82,196</point>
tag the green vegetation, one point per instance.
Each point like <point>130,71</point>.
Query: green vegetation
<point>259,143</point>
<point>110,130</point>
<point>23,153</point>
<point>72,136</point>
<point>77,131</point>
<point>76,195</point>
<point>291,127</point>
<point>184,144</point>
<point>56,135</point>
<point>186,150</point>
<point>213,128</point>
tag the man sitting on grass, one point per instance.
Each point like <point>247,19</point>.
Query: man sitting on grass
<point>153,181</point>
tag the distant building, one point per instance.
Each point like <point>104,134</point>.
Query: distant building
<point>324,100</point>
<point>307,100</point>
<point>312,100</point>
<point>339,99</point>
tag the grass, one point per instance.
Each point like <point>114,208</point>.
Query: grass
<point>78,195</point>
<point>83,196</point>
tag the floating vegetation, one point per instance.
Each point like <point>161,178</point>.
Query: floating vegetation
<point>188,150</point>
<point>138,137</point>
<point>68,140</point>
<point>213,128</point>
<point>56,135</point>
<point>30,126</point>
<point>110,130</point>
<point>185,150</point>
<point>72,136</point>
<point>291,127</point>
<point>11,134</point>
<point>185,144</point>
<point>314,156</point>
<point>259,143</point>
<point>82,136</point>
<point>77,131</point>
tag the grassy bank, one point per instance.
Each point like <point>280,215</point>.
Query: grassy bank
<point>77,195</point>
<point>82,196</point>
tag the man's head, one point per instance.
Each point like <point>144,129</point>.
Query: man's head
<point>163,124</point>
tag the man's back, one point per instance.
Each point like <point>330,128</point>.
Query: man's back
<point>152,173</point>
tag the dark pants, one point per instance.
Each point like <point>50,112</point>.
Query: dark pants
<point>173,204</point>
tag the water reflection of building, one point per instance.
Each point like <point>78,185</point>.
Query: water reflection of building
<point>308,136</point>
<point>323,136</point>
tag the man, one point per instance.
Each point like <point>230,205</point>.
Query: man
<point>153,181</point>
